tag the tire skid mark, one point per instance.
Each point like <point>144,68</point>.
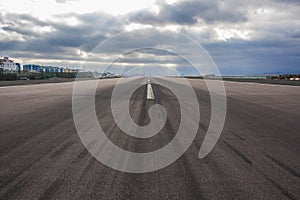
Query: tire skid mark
<point>282,190</point>
<point>88,167</point>
<point>143,112</point>
<point>54,186</point>
<point>85,151</point>
<point>61,150</point>
<point>238,136</point>
<point>51,190</point>
<point>171,127</point>
<point>195,188</point>
<point>204,127</point>
<point>283,166</point>
<point>13,190</point>
<point>238,152</point>
<point>11,178</point>
<point>278,187</point>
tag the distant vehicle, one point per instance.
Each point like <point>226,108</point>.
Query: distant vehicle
<point>295,79</point>
<point>23,78</point>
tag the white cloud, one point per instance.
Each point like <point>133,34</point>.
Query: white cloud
<point>136,26</point>
<point>66,30</point>
<point>46,8</point>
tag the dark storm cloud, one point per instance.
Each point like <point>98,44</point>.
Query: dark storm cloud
<point>296,34</point>
<point>156,58</point>
<point>273,45</point>
<point>257,56</point>
<point>20,30</point>
<point>21,20</point>
<point>188,12</point>
<point>91,29</point>
<point>156,52</point>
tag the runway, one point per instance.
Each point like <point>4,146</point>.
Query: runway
<point>256,157</point>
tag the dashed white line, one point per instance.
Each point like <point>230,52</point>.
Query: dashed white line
<point>150,94</point>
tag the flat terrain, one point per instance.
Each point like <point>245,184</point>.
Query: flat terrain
<point>30,82</point>
<point>265,81</point>
<point>61,80</point>
<point>256,157</point>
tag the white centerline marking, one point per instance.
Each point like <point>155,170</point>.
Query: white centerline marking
<point>150,94</point>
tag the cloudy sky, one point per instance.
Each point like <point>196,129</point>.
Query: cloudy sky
<point>262,36</point>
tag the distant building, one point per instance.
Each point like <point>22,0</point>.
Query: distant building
<point>75,70</point>
<point>32,68</point>
<point>52,69</point>
<point>49,69</point>
<point>39,68</point>
<point>68,70</point>
<point>19,67</point>
<point>7,65</point>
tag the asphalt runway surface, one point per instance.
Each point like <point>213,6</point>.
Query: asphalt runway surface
<point>38,81</point>
<point>265,81</point>
<point>256,157</point>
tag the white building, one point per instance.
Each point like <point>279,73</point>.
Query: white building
<point>7,65</point>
